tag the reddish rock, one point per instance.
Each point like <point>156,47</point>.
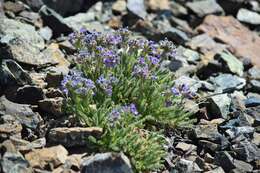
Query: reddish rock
<point>242,42</point>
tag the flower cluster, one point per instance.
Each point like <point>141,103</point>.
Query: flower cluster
<point>77,82</point>
<point>118,112</point>
<point>107,83</point>
<point>183,90</point>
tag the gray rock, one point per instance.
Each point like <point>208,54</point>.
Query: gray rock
<point>205,7</point>
<point>52,106</point>
<point>248,16</point>
<point>234,65</point>
<point>219,106</point>
<point>242,167</point>
<point>79,20</point>
<point>255,84</point>
<point>15,163</point>
<point>65,7</point>
<point>236,131</point>
<point>22,43</point>
<point>34,4</point>
<point>107,163</point>
<point>25,146</point>
<point>185,147</point>
<point>247,151</point>
<point>73,137</point>
<point>22,112</point>
<point>228,82</point>
<point>137,8</point>
<point>12,74</point>
<point>254,73</point>
<point>225,160</point>
<point>10,129</point>
<point>193,84</point>
<point>187,166</point>
<point>252,102</point>
<point>216,170</point>
<point>54,21</point>
<point>46,33</point>
<point>177,9</point>
<point>29,94</point>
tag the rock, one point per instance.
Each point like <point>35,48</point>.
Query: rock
<point>247,151</point>
<point>177,9</point>
<point>187,166</point>
<point>236,131</point>
<point>15,163</point>
<point>32,18</point>
<point>219,106</point>
<point>66,7</point>
<point>74,161</point>
<point>208,158</point>
<point>53,79</point>
<point>22,43</point>
<point>52,156</point>
<point>61,63</point>
<point>53,92</point>
<point>29,94</point>
<point>10,129</point>
<point>225,160</point>
<point>216,170</point>
<point>252,102</point>
<point>205,7</point>
<point>248,16</point>
<point>107,163</point>
<point>136,8</point>
<point>234,65</point>
<point>34,4</point>
<point>255,85</point>
<point>228,82</point>
<point>242,42</point>
<point>256,139</point>
<point>52,106</point>
<point>157,5</point>
<point>73,137</point>
<point>12,74</point>
<point>242,166</point>
<point>185,147</point>
<point>206,45</point>
<point>119,7</point>
<point>54,21</point>
<point>46,33</point>
<point>21,112</point>
<point>254,73</point>
<point>209,146</point>
<point>13,7</point>
<point>25,146</point>
<point>79,20</point>
<point>181,24</point>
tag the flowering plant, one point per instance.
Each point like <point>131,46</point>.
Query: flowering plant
<point>121,85</point>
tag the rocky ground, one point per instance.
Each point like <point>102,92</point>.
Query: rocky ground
<point>218,55</point>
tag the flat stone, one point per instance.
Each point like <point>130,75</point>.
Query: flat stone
<point>228,82</point>
<point>254,73</point>
<point>205,7</point>
<point>107,163</point>
<point>21,112</point>
<point>137,8</point>
<point>119,6</point>
<point>256,139</point>
<point>247,151</point>
<point>225,160</point>
<point>54,21</point>
<point>25,146</point>
<point>29,94</point>
<point>216,170</point>
<point>187,166</point>
<point>15,163</point>
<point>236,131</point>
<point>178,9</point>
<point>185,147</point>
<point>242,42</point>
<point>22,43</point>
<point>79,20</point>
<point>252,102</point>
<point>10,129</point>
<point>54,156</point>
<point>74,136</point>
<point>13,7</point>
<point>219,106</point>
<point>255,84</point>
<point>242,166</point>
<point>157,5</point>
<point>46,33</point>
<point>248,16</point>
<point>52,106</point>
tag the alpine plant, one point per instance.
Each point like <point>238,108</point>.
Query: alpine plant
<point>120,84</point>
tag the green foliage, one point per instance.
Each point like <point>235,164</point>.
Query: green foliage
<point>122,87</point>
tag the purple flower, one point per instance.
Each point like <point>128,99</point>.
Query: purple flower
<point>141,71</point>
<point>110,58</point>
<point>106,84</point>
<point>175,91</point>
<point>133,109</point>
<point>114,39</point>
<point>154,60</point>
<point>141,60</point>
<point>168,103</point>
<point>114,115</point>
